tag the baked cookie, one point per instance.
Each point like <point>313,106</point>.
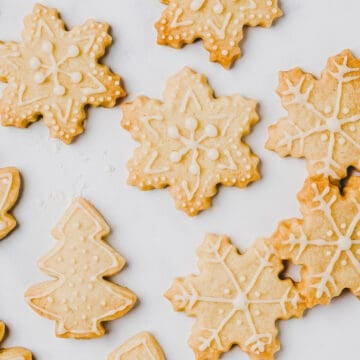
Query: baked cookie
<point>141,346</point>
<point>191,141</point>
<point>236,299</point>
<point>55,74</point>
<point>16,353</point>
<point>80,299</point>
<point>323,122</point>
<point>325,241</point>
<point>218,23</point>
<point>10,183</point>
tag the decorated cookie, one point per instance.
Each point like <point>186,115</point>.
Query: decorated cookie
<point>80,299</point>
<point>55,74</point>
<point>9,192</point>
<point>218,23</point>
<point>326,241</point>
<point>16,353</point>
<point>191,141</point>
<point>236,299</point>
<point>323,121</point>
<point>141,346</point>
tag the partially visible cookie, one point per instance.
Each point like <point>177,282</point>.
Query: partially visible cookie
<point>323,121</point>
<point>55,74</point>
<point>325,241</point>
<point>218,23</point>
<point>15,353</point>
<point>236,299</point>
<point>10,183</point>
<point>80,299</point>
<point>191,141</point>
<point>142,346</point>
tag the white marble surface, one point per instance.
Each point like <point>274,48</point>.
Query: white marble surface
<point>158,241</point>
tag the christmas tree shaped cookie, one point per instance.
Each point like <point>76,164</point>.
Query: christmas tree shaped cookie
<point>142,346</point>
<point>55,74</point>
<point>218,23</point>
<point>323,121</point>
<point>236,299</point>
<point>80,299</point>
<point>9,193</point>
<point>15,353</point>
<point>326,241</point>
<point>191,141</point>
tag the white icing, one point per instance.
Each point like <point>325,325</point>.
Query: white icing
<point>148,167</point>
<point>330,126</point>
<point>150,352</point>
<point>343,245</point>
<point>52,67</point>
<point>176,23</point>
<point>240,299</point>
<point>61,279</point>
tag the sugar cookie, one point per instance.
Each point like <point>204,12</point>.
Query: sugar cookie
<point>80,299</point>
<point>10,183</point>
<point>326,241</point>
<point>54,73</point>
<point>218,23</point>
<point>15,353</point>
<point>236,299</point>
<point>191,141</point>
<point>323,122</point>
<point>141,346</point>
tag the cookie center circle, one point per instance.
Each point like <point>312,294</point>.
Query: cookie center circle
<point>240,302</point>
<point>334,124</point>
<point>344,243</point>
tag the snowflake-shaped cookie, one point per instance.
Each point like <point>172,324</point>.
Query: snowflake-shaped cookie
<point>323,122</point>
<point>326,242</point>
<point>191,141</point>
<point>219,23</point>
<point>236,299</point>
<point>54,73</point>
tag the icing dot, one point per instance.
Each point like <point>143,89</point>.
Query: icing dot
<point>323,137</point>
<point>2,225</point>
<point>327,109</point>
<point>39,77</point>
<point>224,52</point>
<point>76,77</point>
<point>218,9</point>
<point>50,299</point>
<point>358,251</point>
<point>343,263</point>
<point>257,294</point>
<point>212,154</point>
<point>47,46</point>
<point>329,233</point>
<point>175,157</point>
<point>191,123</point>
<point>73,51</point>
<point>227,291</point>
<point>194,169</point>
<point>342,141</point>
<point>221,311</point>
<point>346,110</point>
<point>173,132</point>
<point>352,128</point>
<point>59,90</point>
<point>328,253</point>
<point>242,278</point>
<point>211,131</point>
<point>34,63</point>
<point>343,226</point>
<point>257,313</point>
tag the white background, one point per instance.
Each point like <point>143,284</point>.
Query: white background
<point>158,241</point>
